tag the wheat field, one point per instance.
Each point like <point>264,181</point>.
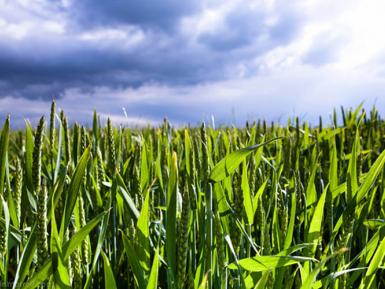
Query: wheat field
<point>262,206</point>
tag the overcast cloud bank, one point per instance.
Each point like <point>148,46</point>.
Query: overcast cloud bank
<point>189,60</point>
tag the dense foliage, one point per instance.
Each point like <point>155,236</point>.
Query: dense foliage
<point>265,206</point>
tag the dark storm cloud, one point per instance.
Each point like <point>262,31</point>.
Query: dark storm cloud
<point>155,58</point>
<point>186,59</point>
<point>158,15</point>
<point>41,64</point>
<point>85,66</point>
<point>44,64</point>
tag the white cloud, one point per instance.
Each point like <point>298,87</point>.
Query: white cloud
<point>127,37</point>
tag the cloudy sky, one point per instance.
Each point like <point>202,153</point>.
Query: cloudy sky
<point>190,59</point>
